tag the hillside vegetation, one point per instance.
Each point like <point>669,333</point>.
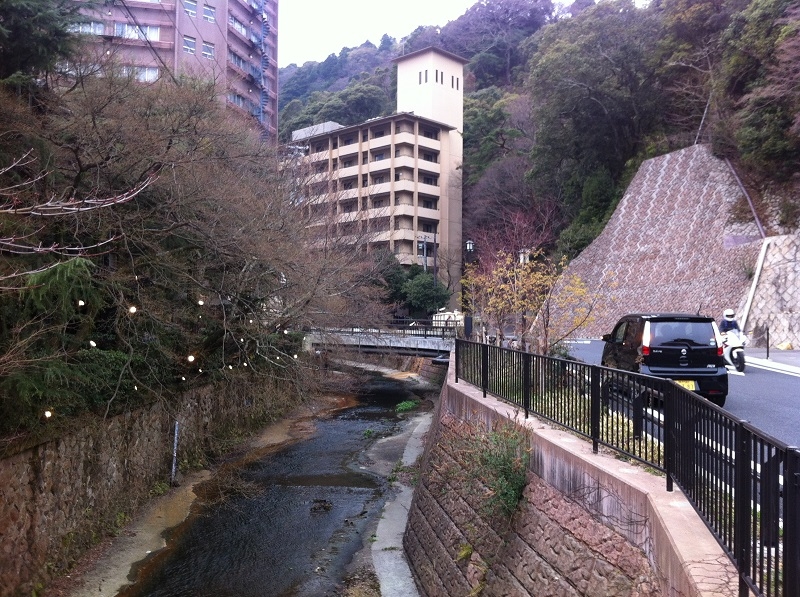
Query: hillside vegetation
<point>561,108</point>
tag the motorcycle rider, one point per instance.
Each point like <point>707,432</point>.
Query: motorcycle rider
<point>728,322</point>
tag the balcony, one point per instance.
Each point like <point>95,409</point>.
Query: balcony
<point>380,188</point>
<point>403,210</point>
<point>429,189</point>
<point>431,167</point>
<point>380,142</point>
<point>434,144</point>
<point>407,138</point>
<point>348,171</point>
<point>406,185</point>
<point>429,214</point>
<point>404,161</point>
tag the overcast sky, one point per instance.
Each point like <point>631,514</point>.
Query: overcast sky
<point>315,29</point>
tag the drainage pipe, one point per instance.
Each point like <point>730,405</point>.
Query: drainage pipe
<point>760,264</point>
<point>174,455</point>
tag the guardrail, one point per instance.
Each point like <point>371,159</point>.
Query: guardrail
<point>744,484</point>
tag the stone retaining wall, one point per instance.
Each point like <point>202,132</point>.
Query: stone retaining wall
<point>57,498</point>
<point>682,239</point>
<point>588,524</point>
<point>776,300</point>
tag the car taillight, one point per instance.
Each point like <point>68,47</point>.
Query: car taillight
<point>719,350</point>
<point>646,339</point>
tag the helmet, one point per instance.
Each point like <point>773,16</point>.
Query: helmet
<point>729,314</point>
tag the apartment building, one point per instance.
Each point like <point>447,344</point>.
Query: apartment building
<point>232,41</point>
<point>397,178</point>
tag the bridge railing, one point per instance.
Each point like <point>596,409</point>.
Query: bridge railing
<point>417,330</point>
<point>744,484</point>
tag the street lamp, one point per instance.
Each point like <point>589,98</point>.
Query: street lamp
<point>469,257</point>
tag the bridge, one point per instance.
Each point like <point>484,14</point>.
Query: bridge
<point>418,340</point>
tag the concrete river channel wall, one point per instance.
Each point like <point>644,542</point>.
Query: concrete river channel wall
<point>589,524</point>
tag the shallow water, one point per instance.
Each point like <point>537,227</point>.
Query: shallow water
<point>313,504</point>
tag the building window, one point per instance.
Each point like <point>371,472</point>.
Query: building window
<point>428,228</point>
<point>348,141</point>
<point>148,74</point>
<point>208,50</point>
<point>189,45</point>
<point>426,75</point>
<point>436,75</point>
<point>238,26</point>
<point>237,100</point>
<point>190,7</point>
<point>365,136</point>
<point>396,176</point>
<point>429,157</point>
<point>379,156</point>
<point>93,28</point>
<point>431,180</point>
<point>378,203</point>
<point>209,13</point>
<point>378,179</point>
<point>348,185</point>
<point>420,77</point>
<point>364,181</point>
<point>237,61</point>
<point>148,32</point>
<point>347,163</point>
<point>377,134</point>
<point>428,204</point>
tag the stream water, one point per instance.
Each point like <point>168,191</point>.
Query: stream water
<point>306,513</point>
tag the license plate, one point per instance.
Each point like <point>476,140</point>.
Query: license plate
<point>687,383</point>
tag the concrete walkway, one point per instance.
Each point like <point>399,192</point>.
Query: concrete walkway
<point>388,556</point>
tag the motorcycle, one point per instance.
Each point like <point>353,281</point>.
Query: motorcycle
<point>733,343</point>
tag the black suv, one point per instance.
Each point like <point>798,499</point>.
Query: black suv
<point>684,348</point>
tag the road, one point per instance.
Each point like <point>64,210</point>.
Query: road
<point>767,399</point>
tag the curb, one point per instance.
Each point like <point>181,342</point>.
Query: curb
<point>771,365</point>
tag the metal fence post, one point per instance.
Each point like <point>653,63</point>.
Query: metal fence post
<point>458,358</point>
<point>594,393</point>
<point>791,523</point>
<point>526,382</point>
<point>669,440</point>
<point>741,507</point>
<point>484,368</point>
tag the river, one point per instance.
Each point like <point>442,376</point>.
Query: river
<point>297,516</point>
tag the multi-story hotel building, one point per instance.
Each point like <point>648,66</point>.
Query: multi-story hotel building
<point>397,177</point>
<point>231,41</point>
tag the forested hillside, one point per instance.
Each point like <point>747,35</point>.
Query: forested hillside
<point>561,107</point>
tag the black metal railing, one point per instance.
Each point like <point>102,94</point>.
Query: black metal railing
<point>744,484</point>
